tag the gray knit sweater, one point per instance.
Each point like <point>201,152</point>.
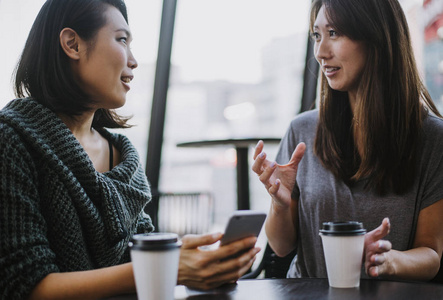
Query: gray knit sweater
<point>57,214</point>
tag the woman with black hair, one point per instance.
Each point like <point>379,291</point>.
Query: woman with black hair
<point>372,152</point>
<point>72,193</point>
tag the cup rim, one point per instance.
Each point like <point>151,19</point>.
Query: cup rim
<point>342,228</point>
<point>154,241</point>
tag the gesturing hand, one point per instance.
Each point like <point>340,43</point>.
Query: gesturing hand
<point>279,180</point>
<point>375,249</point>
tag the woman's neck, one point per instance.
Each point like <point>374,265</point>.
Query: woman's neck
<point>80,126</point>
<point>96,146</point>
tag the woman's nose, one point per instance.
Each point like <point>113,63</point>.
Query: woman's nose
<point>321,50</point>
<point>132,62</point>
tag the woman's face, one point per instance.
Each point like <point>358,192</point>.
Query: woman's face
<point>104,70</point>
<point>341,59</point>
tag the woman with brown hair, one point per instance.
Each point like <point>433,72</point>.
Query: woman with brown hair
<point>371,152</point>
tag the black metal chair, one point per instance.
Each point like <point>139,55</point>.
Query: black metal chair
<point>272,265</point>
<point>439,277</point>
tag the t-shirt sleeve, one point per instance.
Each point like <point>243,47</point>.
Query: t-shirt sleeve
<point>25,255</point>
<point>431,164</point>
<point>287,146</point>
<point>285,150</point>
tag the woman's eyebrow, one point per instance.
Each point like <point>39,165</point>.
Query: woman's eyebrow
<point>128,33</point>
<point>317,27</point>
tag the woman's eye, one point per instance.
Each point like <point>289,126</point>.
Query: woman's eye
<point>315,36</point>
<point>332,33</point>
<point>123,40</point>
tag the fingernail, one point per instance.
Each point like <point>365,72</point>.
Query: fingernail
<point>380,244</point>
<point>376,271</point>
<point>273,164</point>
<point>262,155</point>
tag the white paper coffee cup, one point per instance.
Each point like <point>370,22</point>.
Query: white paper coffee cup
<point>343,244</point>
<point>155,259</point>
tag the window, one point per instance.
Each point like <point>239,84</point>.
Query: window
<point>237,71</point>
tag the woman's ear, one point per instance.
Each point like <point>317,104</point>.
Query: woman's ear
<point>69,40</point>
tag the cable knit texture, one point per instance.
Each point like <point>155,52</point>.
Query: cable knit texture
<point>58,214</point>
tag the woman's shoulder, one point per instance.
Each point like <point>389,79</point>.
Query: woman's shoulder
<point>12,146</point>
<point>433,130</point>
<point>305,120</point>
<point>433,123</point>
<point>7,134</point>
<point>26,113</point>
<point>301,129</point>
<point>10,120</point>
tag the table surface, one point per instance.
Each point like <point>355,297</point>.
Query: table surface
<point>312,288</point>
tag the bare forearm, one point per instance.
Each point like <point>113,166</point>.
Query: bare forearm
<point>280,229</point>
<point>415,264</point>
<point>93,284</point>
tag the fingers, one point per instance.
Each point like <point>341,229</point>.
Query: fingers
<point>298,153</point>
<point>380,246</point>
<point>384,246</point>
<point>193,241</point>
<point>265,172</point>
<point>376,259</point>
<point>232,269</point>
<point>216,279</point>
<point>258,149</point>
<point>257,166</point>
<point>273,189</point>
<point>383,229</point>
<point>260,161</point>
<point>377,256</point>
<point>234,248</point>
<point>379,232</point>
<point>376,249</point>
<point>215,272</point>
<point>266,175</point>
<point>373,271</point>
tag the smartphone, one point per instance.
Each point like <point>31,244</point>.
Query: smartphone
<point>242,224</point>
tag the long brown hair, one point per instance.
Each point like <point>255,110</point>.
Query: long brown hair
<point>391,102</point>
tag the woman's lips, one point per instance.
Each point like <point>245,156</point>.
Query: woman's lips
<point>125,81</point>
<point>330,71</point>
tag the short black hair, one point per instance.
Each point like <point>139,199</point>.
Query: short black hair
<point>44,72</point>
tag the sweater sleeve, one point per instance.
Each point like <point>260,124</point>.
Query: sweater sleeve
<point>25,254</point>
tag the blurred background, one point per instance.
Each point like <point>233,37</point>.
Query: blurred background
<point>236,72</point>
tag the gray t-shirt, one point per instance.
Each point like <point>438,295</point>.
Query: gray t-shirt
<point>324,198</point>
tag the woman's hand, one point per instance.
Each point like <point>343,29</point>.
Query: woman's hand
<point>206,269</point>
<point>279,180</point>
<point>376,263</point>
